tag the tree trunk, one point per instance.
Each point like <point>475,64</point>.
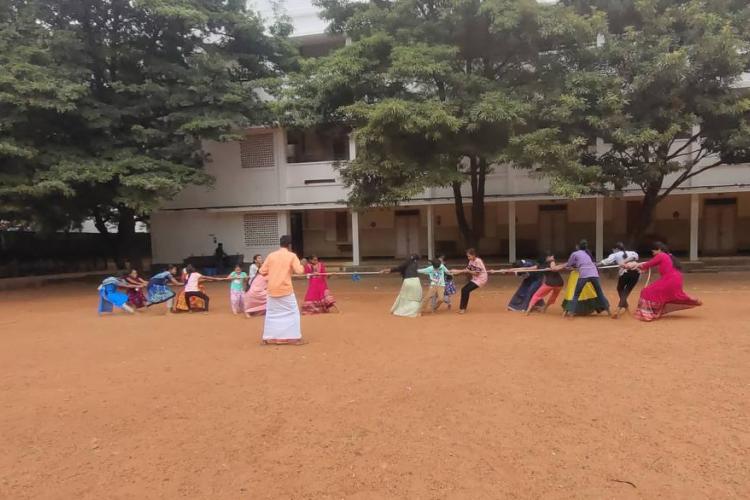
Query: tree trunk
<point>472,233</point>
<point>100,223</point>
<point>479,174</point>
<point>646,216</point>
<point>463,225</point>
<point>127,253</point>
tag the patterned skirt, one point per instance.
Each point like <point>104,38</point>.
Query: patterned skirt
<point>196,303</point>
<point>159,293</point>
<point>322,305</point>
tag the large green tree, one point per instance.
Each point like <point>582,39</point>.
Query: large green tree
<point>103,103</point>
<point>661,94</point>
<point>434,90</point>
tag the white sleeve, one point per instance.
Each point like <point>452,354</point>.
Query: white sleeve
<point>609,260</point>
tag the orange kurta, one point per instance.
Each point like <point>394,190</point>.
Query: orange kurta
<point>278,268</point>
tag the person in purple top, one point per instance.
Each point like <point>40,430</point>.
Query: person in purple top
<point>582,261</point>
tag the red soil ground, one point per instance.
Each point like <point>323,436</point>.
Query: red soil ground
<point>488,405</point>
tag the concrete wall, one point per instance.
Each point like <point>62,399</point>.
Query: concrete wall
<point>288,185</point>
<point>178,235</point>
<point>743,221</point>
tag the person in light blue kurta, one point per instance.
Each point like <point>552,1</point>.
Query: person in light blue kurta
<point>436,293</point>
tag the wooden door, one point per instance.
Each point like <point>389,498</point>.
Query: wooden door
<point>552,222</point>
<point>407,234</point>
<point>718,227</point>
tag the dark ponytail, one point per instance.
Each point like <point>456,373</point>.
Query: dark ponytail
<point>621,247</point>
<point>665,249</point>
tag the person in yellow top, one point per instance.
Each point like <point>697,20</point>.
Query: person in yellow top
<point>282,324</point>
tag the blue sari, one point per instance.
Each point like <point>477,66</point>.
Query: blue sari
<point>109,296</point>
<point>158,290</point>
<point>530,284</point>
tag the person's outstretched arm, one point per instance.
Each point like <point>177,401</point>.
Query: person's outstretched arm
<point>297,267</point>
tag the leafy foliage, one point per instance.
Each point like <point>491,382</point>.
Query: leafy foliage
<point>435,90</point>
<point>103,104</point>
<point>662,95</point>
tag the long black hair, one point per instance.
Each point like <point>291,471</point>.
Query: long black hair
<point>543,256</point>
<point>584,245</point>
<point>658,245</point>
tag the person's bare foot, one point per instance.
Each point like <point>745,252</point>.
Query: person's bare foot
<point>283,342</point>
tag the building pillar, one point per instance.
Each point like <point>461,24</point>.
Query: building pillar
<point>511,231</point>
<point>355,239</point>
<point>695,208</point>
<point>430,232</point>
<point>599,228</point>
<point>352,146</point>
<point>284,222</point>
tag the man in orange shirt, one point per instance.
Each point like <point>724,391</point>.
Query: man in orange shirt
<point>282,324</point>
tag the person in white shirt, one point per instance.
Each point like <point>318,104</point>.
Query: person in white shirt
<point>628,278</point>
<point>254,267</point>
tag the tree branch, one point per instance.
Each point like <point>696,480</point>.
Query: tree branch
<point>682,148</point>
<point>688,174</point>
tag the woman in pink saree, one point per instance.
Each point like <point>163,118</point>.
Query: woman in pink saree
<point>256,296</point>
<point>318,298</point>
<point>666,294</point>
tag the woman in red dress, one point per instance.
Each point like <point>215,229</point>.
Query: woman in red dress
<point>666,294</point>
<point>136,297</point>
<point>318,298</point>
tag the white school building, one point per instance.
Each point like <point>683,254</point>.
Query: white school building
<point>278,182</point>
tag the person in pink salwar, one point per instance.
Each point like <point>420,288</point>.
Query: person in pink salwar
<point>665,295</point>
<point>318,298</point>
<point>256,296</point>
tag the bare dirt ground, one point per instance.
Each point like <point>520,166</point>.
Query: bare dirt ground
<point>487,405</point>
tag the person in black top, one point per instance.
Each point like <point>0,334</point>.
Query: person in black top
<point>409,300</point>
<point>537,285</point>
<point>552,284</point>
<point>219,258</point>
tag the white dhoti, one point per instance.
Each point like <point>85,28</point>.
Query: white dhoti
<point>282,322</point>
